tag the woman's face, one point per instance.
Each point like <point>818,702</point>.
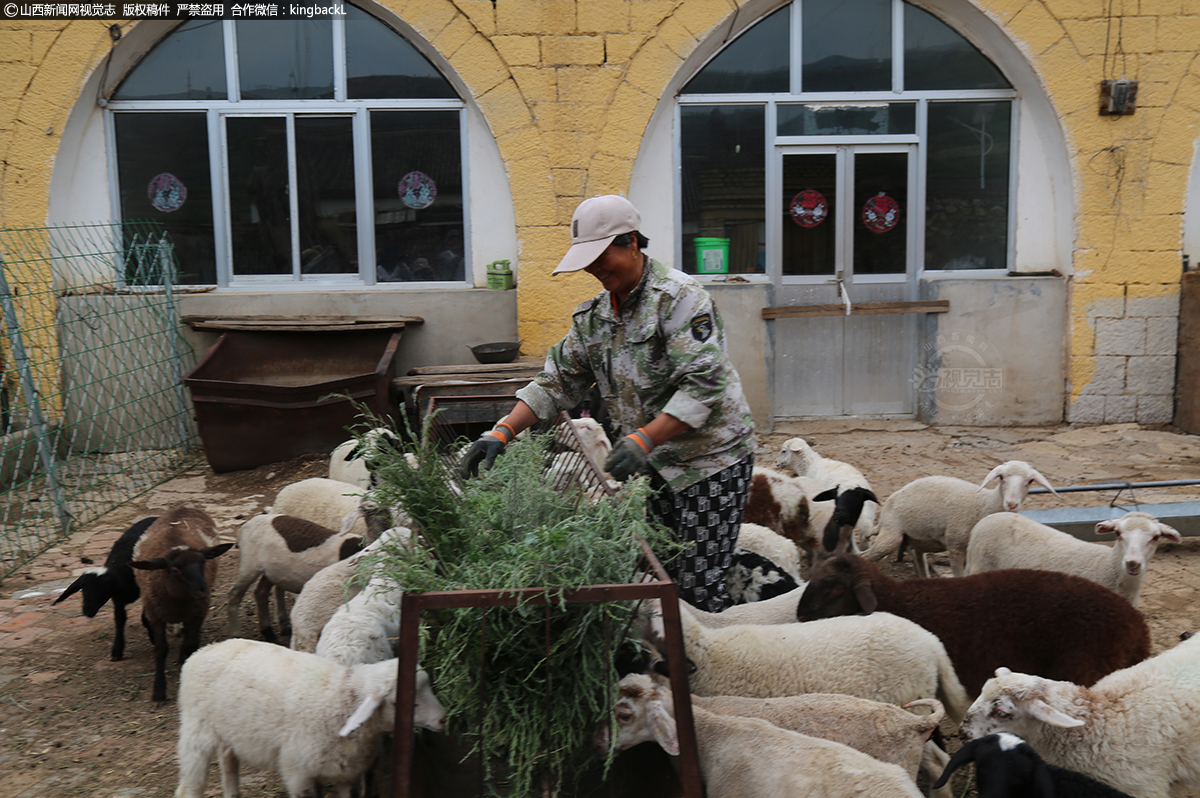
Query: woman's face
<point>619,269</point>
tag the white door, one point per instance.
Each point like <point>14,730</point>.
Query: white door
<point>845,240</point>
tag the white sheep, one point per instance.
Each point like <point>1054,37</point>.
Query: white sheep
<point>798,455</point>
<point>306,718</point>
<point>751,758</point>
<point>283,552</point>
<point>937,513</point>
<point>1135,729</point>
<point>351,461</point>
<point>879,656</point>
<point>785,505</point>
<point>884,731</point>
<point>364,628</point>
<point>328,502</point>
<point>770,544</point>
<point>780,609</point>
<point>329,589</point>
<point>1009,540</point>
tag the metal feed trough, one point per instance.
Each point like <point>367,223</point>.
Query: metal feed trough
<point>578,476</point>
<point>1081,521</point>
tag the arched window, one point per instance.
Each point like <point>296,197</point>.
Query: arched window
<point>809,138</point>
<point>294,152</point>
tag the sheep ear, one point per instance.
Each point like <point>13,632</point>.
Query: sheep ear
<point>870,495</point>
<point>212,552</point>
<point>961,757</point>
<point>1049,715</point>
<point>76,586</point>
<point>1003,672</point>
<point>826,495</point>
<point>361,715</point>
<point>1170,533</point>
<point>1105,527</point>
<point>993,474</point>
<point>867,601</point>
<point>663,727</point>
<point>157,564</point>
<point>1041,480</point>
<point>350,519</point>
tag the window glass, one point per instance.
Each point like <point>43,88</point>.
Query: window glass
<point>967,176</point>
<point>379,63</point>
<point>847,120</point>
<point>847,45</point>
<point>938,57</point>
<point>881,212</point>
<point>417,183</point>
<point>756,61</point>
<point>259,209</point>
<point>325,195</point>
<point>810,200</point>
<point>188,64</point>
<point>724,188</point>
<point>163,175</point>
<point>285,59</point>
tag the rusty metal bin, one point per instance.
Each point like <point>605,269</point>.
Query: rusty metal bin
<point>266,397</point>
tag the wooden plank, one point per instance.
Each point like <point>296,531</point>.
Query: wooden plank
<point>298,327</point>
<point>270,319</point>
<point>402,383</point>
<point>860,309</point>
<point>477,368</point>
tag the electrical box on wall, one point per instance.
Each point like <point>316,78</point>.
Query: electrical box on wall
<point>1118,97</point>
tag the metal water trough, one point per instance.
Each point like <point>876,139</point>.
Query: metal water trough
<point>1081,521</point>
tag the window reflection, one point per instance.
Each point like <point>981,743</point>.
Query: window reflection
<point>966,196</point>
<point>325,195</point>
<point>188,64</point>
<point>259,208</point>
<point>938,57</point>
<point>847,120</point>
<point>810,201</point>
<point>162,179</point>
<point>381,64</point>
<point>417,179</point>
<point>724,184</point>
<point>847,45</point>
<point>756,61</point>
<point>288,59</point>
<point>881,208</point>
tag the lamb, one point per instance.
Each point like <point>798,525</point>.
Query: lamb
<point>1009,540</point>
<point>880,657</point>
<point>307,718</point>
<point>114,580</point>
<point>1135,729</point>
<point>751,758</point>
<point>848,509</point>
<point>784,505</point>
<point>363,629</point>
<point>883,731</point>
<point>283,552</point>
<point>328,502</point>
<point>328,589</point>
<point>828,474</point>
<point>937,513</point>
<point>350,461</point>
<point>1056,625</point>
<point>175,558</point>
<point>1007,767</point>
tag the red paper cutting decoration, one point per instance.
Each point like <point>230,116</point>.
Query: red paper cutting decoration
<point>881,213</point>
<point>166,192</point>
<point>809,208</point>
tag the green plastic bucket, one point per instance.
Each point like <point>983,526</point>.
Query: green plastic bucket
<point>712,256</point>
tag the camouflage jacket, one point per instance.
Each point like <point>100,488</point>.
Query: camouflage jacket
<point>664,353</point>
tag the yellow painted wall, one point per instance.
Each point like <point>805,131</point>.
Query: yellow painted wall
<point>568,87</point>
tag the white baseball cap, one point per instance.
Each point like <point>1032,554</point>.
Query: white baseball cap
<point>597,221</point>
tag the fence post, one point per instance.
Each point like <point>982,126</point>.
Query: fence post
<point>38,421</point>
<point>166,262</point>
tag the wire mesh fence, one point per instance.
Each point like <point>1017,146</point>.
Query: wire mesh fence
<point>92,408</point>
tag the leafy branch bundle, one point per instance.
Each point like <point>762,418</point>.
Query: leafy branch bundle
<point>526,684</point>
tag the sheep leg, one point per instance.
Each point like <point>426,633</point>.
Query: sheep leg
<point>158,636</point>
<point>234,602</point>
<point>285,620</point>
<point>922,564</point>
<point>933,763</point>
<point>193,769</point>
<point>230,778</point>
<point>119,618</point>
<point>262,598</point>
<point>958,563</point>
<point>191,639</point>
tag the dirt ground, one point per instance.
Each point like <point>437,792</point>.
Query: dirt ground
<point>73,723</point>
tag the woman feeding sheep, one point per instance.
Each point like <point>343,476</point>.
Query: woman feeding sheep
<point>653,343</point>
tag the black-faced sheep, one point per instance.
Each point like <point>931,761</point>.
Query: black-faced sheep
<point>827,474</point>
<point>937,513</point>
<point>1007,767</point>
<point>848,507</point>
<point>176,565</point>
<point>113,581</point>
<point>1057,625</point>
<point>1135,729</point>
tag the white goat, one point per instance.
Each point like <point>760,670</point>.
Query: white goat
<point>307,718</point>
<point>1135,729</point>
<point>751,758</point>
<point>1009,540</point>
<point>829,474</point>
<point>937,513</point>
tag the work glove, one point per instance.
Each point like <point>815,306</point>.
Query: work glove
<point>489,446</point>
<point>629,456</point>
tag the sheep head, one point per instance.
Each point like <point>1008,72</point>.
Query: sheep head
<point>184,568</point>
<point>1138,536</point>
<point>847,509</point>
<point>839,584</point>
<point>1016,478</point>
<point>1017,703</point>
<point>1004,765</point>
<point>97,587</point>
<point>797,455</point>
<point>642,714</point>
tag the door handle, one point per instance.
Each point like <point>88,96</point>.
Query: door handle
<point>843,294</point>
